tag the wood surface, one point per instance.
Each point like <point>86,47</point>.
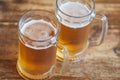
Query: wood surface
<point>100,62</point>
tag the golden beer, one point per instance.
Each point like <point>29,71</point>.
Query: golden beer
<point>74,30</point>
<point>36,57</point>
<point>80,27</point>
<point>74,38</point>
<point>36,61</point>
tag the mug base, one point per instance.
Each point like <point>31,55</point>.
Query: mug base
<point>28,76</point>
<point>74,58</point>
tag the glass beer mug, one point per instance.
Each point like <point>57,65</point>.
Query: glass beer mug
<point>77,18</point>
<point>38,31</point>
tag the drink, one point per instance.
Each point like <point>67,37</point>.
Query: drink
<point>74,38</point>
<point>77,18</point>
<point>36,57</point>
<point>38,46</point>
<point>74,32</point>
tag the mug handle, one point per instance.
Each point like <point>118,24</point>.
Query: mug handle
<point>62,64</point>
<point>99,30</point>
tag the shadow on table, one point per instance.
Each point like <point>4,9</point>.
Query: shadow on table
<point>117,48</point>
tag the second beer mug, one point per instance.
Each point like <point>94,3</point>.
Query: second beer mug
<point>38,31</point>
<point>77,18</point>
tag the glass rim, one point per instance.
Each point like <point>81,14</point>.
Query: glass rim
<point>91,11</point>
<point>44,40</point>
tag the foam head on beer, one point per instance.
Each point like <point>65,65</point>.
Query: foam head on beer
<point>74,9</point>
<point>38,30</point>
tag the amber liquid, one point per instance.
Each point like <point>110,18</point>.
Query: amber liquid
<point>36,61</point>
<point>74,31</point>
<point>74,38</point>
<point>36,58</point>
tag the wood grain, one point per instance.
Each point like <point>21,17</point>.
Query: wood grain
<point>107,1</point>
<point>100,62</point>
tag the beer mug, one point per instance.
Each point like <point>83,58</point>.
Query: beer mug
<point>77,18</point>
<point>38,45</point>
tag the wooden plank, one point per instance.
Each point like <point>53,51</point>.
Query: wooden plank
<point>50,5</point>
<point>51,1</point>
<point>108,7</point>
<point>107,1</point>
<point>110,10</point>
<point>8,70</point>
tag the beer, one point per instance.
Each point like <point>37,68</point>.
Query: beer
<point>35,56</point>
<point>74,29</point>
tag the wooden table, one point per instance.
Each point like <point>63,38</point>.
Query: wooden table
<point>101,63</point>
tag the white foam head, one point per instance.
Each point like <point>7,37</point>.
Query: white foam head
<point>38,30</point>
<point>75,9</point>
<point>41,21</point>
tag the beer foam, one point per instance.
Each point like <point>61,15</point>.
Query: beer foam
<point>75,9</point>
<point>38,30</point>
<point>32,22</point>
